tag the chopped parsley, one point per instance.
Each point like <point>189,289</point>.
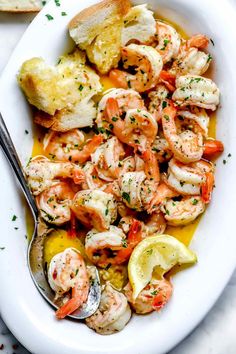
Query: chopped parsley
<point>57,2</point>
<point>14,218</point>
<point>126,196</point>
<point>164,104</point>
<point>81,87</point>
<point>195,201</point>
<point>49,17</point>
<point>114,119</point>
<point>2,248</point>
<point>153,293</point>
<point>64,13</point>
<point>26,131</point>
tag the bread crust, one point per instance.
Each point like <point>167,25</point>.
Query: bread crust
<point>122,7</point>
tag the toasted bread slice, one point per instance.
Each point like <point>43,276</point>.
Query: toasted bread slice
<point>97,30</point>
<point>139,25</point>
<point>22,5</point>
<point>53,88</point>
<point>79,116</point>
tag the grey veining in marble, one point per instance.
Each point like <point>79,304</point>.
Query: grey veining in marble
<point>216,334</point>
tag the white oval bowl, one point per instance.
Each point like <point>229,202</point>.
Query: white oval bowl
<point>25,312</point>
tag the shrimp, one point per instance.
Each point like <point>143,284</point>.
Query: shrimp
<point>212,147</point>
<point>112,246</point>
<point>161,149</point>
<point>196,90</point>
<point>66,146</point>
<point>193,179</point>
<point>157,97</point>
<point>168,41</point>
<point>63,146</point>
<point>191,61</point>
<point>107,159</point>
<point>54,203</point>
<point>184,211</point>
<point>113,312</point>
<point>155,224</point>
<point>67,270</point>
<point>153,297</point>
<point>198,41</point>
<point>92,181</point>
<point>148,65</point>
<point>126,99</point>
<point>187,146</point>
<point>42,173</point>
<point>168,79</point>
<point>196,119</point>
<point>162,193</point>
<point>138,129</point>
<point>95,208</point>
<point>138,188</point>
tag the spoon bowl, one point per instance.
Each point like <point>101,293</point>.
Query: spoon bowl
<point>35,255</point>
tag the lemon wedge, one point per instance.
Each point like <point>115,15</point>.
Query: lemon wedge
<point>161,252</point>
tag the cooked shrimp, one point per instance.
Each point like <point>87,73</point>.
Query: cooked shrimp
<point>67,270</point>
<point>184,211</point>
<point>212,147</point>
<point>107,159</point>
<point>196,90</point>
<point>126,99</point>
<point>92,181</point>
<point>155,224</point>
<point>198,41</point>
<point>42,173</point>
<point>63,146</point>
<point>67,146</point>
<point>162,193</point>
<point>161,149</point>
<point>113,312</point>
<point>196,119</point>
<point>168,41</point>
<point>152,298</point>
<point>95,208</point>
<point>187,146</point>
<point>138,129</point>
<point>157,97</point>
<point>112,246</point>
<point>148,65</point>
<point>191,61</point>
<point>193,179</point>
<point>54,203</point>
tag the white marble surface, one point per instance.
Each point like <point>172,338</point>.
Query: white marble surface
<point>216,333</point>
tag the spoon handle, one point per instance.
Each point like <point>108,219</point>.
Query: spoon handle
<point>11,154</point>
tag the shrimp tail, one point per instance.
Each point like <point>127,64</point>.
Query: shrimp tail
<point>112,108</point>
<point>78,176</point>
<point>135,233</point>
<point>168,80</point>
<point>212,147</point>
<point>207,187</point>
<point>69,307</point>
<point>198,41</point>
<point>90,148</point>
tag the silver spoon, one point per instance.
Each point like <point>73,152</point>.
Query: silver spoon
<point>35,259</point>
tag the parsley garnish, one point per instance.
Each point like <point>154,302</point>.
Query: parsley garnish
<point>14,218</point>
<point>126,196</point>
<point>49,17</point>
<point>81,87</point>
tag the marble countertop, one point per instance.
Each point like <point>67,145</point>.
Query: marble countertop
<point>216,333</point>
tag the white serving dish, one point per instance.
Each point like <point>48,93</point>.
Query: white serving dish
<point>25,312</point>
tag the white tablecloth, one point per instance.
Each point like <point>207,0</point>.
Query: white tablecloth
<point>217,332</point>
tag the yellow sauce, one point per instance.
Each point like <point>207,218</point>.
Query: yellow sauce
<point>59,240</point>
